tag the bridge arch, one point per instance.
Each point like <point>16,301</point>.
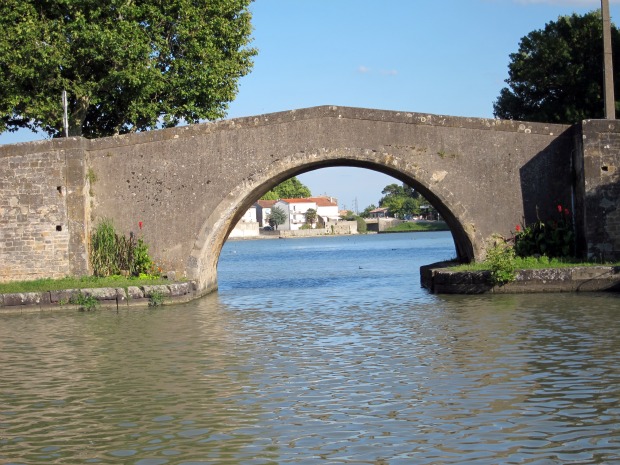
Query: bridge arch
<point>189,186</point>
<point>204,257</point>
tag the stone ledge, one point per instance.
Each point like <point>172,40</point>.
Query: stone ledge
<point>107,297</point>
<point>439,279</point>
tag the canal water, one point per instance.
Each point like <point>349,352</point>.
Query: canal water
<point>318,351</point>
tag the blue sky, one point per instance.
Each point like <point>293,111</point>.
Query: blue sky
<point>430,56</point>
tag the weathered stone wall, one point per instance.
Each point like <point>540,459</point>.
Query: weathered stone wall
<point>599,189</point>
<point>40,195</point>
<point>33,215</point>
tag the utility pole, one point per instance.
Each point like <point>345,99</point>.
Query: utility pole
<point>65,118</point>
<point>610,100</point>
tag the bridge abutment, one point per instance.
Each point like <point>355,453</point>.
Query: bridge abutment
<point>598,189</point>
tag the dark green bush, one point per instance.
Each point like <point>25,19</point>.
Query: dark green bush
<point>553,238</point>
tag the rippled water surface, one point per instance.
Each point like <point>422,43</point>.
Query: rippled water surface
<point>318,351</point>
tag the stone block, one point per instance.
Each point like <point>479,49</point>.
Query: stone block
<point>22,298</point>
<point>179,289</point>
<point>62,296</point>
<point>121,295</point>
<point>134,293</point>
<point>162,289</point>
<point>103,293</point>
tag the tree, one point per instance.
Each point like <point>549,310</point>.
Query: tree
<point>292,188</point>
<point>311,215</point>
<point>277,217</point>
<point>367,210</point>
<point>126,66</point>
<point>400,200</point>
<point>557,74</point>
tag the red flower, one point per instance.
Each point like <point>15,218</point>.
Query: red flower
<point>560,208</point>
<point>518,228</point>
<point>140,224</point>
<point>566,212</point>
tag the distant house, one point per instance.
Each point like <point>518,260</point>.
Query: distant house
<point>247,226</point>
<point>379,213</point>
<point>295,210</point>
<point>327,210</point>
<point>263,210</point>
<point>249,216</point>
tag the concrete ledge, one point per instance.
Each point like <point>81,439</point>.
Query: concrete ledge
<point>439,279</point>
<point>107,296</point>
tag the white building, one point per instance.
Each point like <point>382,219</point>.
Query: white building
<point>295,212</point>
<point>247,226</point>
<point>327,211</point>
<point>263,210</point>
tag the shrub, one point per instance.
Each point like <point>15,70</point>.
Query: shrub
<point>554,238</point>
<point>85,302</point>
<point>103,249</point>
<point>141,263</point>
<point>501,259</point>
<point>156,299</point>
<point>110,253</point>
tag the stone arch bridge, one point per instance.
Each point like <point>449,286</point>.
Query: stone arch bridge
<point>188,186</point>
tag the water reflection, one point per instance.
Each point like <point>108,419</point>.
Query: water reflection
<point>375,372</point>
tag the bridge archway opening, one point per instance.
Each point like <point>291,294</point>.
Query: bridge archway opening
<point>220,233</point>
<point>463,244</point>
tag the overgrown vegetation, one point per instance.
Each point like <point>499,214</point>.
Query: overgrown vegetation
<point>553,238</point>
<point>85,302</point>
<point>543,244</point>
<point>532,263</point>
<point>111,253</point>
<point>156,299</point>
<point>501,260</point>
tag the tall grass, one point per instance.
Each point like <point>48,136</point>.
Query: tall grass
<point>104,250</point>
<point>110,253</point>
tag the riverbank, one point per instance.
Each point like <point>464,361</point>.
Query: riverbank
<point>440,278</point>
<point>418,226</point>
<point>106,297</point>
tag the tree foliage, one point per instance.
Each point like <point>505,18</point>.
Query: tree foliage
<point>367,210</point>
<point>277,217</point>
<point>311,216</point>
<point>292,188</point>
<point>557,74</point>
<point>126,65</point>
<point>401,200</point>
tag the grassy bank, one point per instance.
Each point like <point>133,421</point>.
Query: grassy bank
<point>42,285</point>
<point>419,226</point>
<point>532,263</point>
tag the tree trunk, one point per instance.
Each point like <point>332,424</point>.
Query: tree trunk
<point>78,116</point>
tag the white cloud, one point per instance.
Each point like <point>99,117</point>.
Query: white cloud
<point>385,72</point>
